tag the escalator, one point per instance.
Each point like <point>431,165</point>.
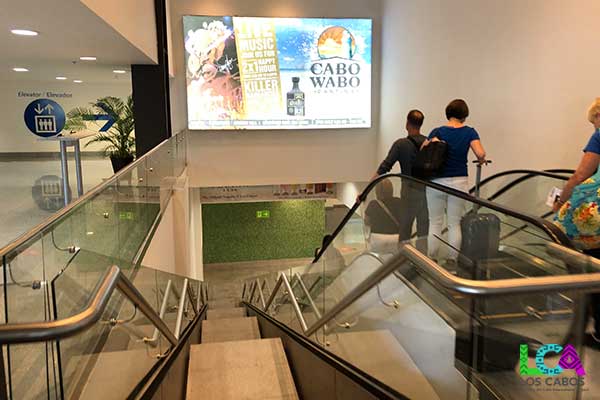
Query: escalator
<point>456,328</point>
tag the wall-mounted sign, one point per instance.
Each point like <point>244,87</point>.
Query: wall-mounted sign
<point>44,117</point>
<point>232,194</point>
<point>277,73</point>
<point>264,214</point>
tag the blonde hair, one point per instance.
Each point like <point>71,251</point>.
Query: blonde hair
<point>594,110</point>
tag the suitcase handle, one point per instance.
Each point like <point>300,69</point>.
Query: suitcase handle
<point>478,175</point>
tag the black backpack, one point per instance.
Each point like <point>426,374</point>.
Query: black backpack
<point>430,160</point>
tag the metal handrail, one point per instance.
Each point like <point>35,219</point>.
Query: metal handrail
<point>35,231</point>
<point>29,332</point>
<point>553,232</point>
<point>468,287</point>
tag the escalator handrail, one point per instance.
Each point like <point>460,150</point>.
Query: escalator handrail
<point>550,229</point>
<point>552,173</point>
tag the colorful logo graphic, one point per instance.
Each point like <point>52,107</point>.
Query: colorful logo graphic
<point>569,359</point>
<point>336,42</point>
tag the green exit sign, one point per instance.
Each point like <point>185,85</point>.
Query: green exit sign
<point>263,214</point>
<point>126,215</point>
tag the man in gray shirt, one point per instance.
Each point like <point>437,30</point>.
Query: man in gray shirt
<point>414,203</point>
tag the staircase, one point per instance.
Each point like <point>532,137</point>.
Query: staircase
<point>233,362</point>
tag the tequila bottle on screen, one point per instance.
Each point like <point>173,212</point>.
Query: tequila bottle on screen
<point>295,99</point>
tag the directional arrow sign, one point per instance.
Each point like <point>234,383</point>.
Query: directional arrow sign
<point>101,117</point>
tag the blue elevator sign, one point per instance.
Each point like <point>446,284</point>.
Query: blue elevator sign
<point>44,117</point>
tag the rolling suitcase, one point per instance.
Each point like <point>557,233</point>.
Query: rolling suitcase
<point>480,236</point>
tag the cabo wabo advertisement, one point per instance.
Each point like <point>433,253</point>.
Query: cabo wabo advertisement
<point>277,73</point>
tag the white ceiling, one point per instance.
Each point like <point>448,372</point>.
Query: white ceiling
<point>68,30</point>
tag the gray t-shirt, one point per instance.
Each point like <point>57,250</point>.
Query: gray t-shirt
<point>404,152</point>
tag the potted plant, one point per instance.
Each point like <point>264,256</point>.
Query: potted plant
<point>119,138</point>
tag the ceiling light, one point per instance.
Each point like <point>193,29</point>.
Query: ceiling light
<point>78,81</point>
<point>87,58</point>
<point>23,32</point>
<point>119,71</point>
<point>20,69</point>
<point>61,78</point>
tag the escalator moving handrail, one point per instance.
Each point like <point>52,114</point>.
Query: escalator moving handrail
<point>550,229</point>
<point>554,174</point>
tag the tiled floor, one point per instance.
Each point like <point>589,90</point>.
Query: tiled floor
<point>18,210</point>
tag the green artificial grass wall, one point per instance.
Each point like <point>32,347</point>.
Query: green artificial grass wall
<point>262,231</point>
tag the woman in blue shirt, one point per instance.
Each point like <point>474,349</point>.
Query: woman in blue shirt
<point>460,139</point>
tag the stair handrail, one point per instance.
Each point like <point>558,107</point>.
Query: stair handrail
<point>54,218</point>
<point>29,332</point>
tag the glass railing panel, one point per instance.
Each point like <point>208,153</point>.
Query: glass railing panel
<point>31,366</point>
<point>111,355</point>
<point>136,212</point>
<point>161,172</point>
<point>392,334</point>
<point>528,193</point>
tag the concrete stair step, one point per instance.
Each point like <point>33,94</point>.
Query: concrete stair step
<point>230,329</point>
<point>220,313</point>
<point>250,370</point>
<point>224,303</point>
<point>116,373</point>
<point>380,355</point>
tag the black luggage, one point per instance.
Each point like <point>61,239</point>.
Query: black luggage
<point>480,236</point>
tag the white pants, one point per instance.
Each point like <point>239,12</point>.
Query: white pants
<point>440,203</point>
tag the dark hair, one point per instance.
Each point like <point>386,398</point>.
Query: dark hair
<point>457,109</point>
<point>415,118</point>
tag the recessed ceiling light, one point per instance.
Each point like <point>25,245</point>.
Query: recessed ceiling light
<point>87,58</point>
<point>20,69</point>
<point>119,71</point>
<point>78,81</point>
<point>23,32</point>
<point>61,78</point>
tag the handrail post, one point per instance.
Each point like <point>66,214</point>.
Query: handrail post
<point>273,293</point>
<point>244,292</point>
<point>163,311</point>
<point>261,296</point>
<point>297,310</point>
<point>252,291</point>
<point>308,296</point>
<point>191,299</point>
<point>127,288</point>
<point>181,307</point>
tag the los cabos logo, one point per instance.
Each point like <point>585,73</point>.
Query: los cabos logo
<point>569,359</point>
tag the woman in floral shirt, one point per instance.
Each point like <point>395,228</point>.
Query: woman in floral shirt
<point>578,215</point>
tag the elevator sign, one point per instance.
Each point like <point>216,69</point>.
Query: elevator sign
<point>44,117</point>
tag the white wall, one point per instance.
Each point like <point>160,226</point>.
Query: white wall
<point>15,135</point>
<point>528,70</point>
<point>268,157</point>
<point>133,19</point>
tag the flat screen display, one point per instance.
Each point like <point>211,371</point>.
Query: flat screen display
<point>277,73</point>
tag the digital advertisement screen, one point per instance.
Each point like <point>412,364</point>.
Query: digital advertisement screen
<point>277,73</point>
